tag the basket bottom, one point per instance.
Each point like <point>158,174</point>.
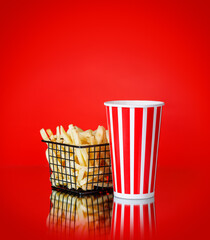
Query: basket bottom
<point>81,192</point>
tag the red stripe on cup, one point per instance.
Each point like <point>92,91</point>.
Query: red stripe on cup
<point>136,220</point>
<point>152,148</point>
<point>117,147</point>
<point>127,225</point>
<point>114,212</point>
<point>137,148</point>
<point>118,224</point>
<point>126,147</point>
<point>153,216</point>
<point>146,226</point>
<point>155,148</point>
<point>150,113</point>
<point>111,150</point>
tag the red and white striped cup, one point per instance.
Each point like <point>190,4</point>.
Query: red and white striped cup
<point>133,219</point>
<point>134,129</point>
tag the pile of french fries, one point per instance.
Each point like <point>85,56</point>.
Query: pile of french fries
<point>70,213</point>
<point>83,165</point>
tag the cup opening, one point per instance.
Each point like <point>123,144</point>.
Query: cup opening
<point>134,103</point>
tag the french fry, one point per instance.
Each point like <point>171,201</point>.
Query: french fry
<point>78,129</point>
<point>100,135</point>
<point>49,132</point>
<point>70,128</point>
<point>81,153</point>
<point>81,174</point>
<point>84,136</point>
<point>107,136</point>
<point>58,134</point>
<point>65,136</point>
<point>44,135</point>
<point>54,165</point>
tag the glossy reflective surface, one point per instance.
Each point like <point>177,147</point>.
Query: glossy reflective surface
<point>30,210</point>
<point>133,219</point>
<point>73,216</point>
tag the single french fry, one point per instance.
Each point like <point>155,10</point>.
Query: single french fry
<point>81,175</point>
<point>78,129</point>
<point>92,140</point>
<point>58,134</point>
<point>71,126</point>
<point>80,157</point>
<point>68,140</point>
<point>76,141</point>
<point>84,180</point>
<point>75,137</point>
<point>81,153</point>
<point>100,135</point>
<point>44,135</point>
<point>65,136</point>
<point>107,136</point>
<point>49,132</point>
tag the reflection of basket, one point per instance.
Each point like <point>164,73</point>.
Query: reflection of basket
<point>67,174</point>
<point>78,215</point>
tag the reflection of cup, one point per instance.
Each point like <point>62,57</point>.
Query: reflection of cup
<point>133,219</point>
<point>134,128</point>
<point>71,215</point>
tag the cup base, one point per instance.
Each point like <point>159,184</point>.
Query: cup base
<point>134,196</point>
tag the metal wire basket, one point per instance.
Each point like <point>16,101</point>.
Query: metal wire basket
<point>68,174</point>
<point>86,215</point>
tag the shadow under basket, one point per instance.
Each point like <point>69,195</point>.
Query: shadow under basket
<point>80,170</point>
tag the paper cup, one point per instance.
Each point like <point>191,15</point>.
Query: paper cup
<point>133,219</point>
<point>134,129</point>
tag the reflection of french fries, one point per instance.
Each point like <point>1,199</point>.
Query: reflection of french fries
<point>77,164</point>
<point>80,214</point>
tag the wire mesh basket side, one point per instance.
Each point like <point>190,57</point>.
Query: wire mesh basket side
<point>69,173</point>
<point>99,168</point>
<point>62,166</point>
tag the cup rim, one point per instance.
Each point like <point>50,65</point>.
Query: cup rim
<point>134,103</point>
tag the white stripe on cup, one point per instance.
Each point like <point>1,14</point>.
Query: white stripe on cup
<point>113,150</point>
<point>132,117</point>
<point>121,148</point>
<point>149,213</point>
<point>152,149</point>
<point>115,218</point>
<point>142,220</point>
<point>143,146</point>
<point>131,221</point>
<point>122,221</point>
<point>157,148</point>
<point>154,214</point>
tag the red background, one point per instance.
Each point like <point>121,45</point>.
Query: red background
<point>61,60</point>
